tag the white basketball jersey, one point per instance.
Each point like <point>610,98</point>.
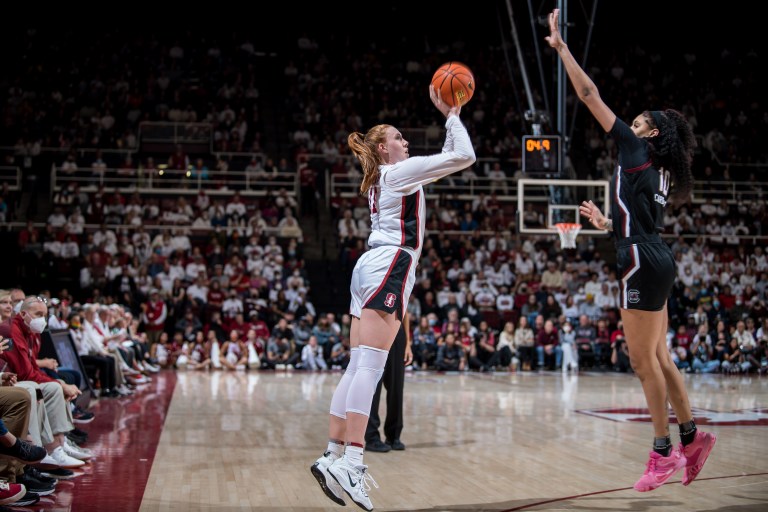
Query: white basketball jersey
<point>397,205</point>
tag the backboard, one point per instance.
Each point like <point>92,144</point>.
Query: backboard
<point>542,203</point>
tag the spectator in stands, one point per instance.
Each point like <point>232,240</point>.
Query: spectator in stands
<point>620,355</point>
<point>590,308</point>
<point>25,331</point>
<point>15,415</point>
<point>234,350</point>
<point>551,308</point>
<point>486,349</point>
<point>288,227</point>
<point>498,179</point>
<point>450,356</point>
<point>531,309</point>
<point>569,348</point>
<point>280,354</point>
<point>552,278</point>
<point>154,314</point>
<point>586,337</point>
<point>312,356</point>
<point>340,354</point>
<point>702,350</point>
<point>508,353</point>
<point>198,290</point>
<point>548,345</point>
<point>6,306</point>
<point>525,342</point>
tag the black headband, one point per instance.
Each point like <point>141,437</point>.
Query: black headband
<point>657,115</point>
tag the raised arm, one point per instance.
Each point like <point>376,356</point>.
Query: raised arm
<point>584,86</point>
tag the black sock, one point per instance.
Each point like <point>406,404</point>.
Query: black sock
<point>687,432</point>
<point>662,445</point>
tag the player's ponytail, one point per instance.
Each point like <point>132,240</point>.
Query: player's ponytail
<point>364,149</point>
<point>673,150</point>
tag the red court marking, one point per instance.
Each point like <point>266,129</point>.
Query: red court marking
<point>124,435</point>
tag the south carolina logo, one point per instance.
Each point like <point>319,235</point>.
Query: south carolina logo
<point>633,296</point>
<point>390,300</point>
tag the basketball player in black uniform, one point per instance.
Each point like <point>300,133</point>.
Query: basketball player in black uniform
<point>400,356</point>
<point>654,154</point>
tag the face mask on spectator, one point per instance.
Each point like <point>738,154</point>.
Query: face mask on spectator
<point>37,325</point>
<point>17,307</point>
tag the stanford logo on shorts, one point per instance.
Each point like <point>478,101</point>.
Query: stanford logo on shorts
<point>633,296</point>
<point>390,300</point>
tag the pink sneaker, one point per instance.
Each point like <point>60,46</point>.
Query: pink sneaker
<point>659,469</point>
<point>696,455</point>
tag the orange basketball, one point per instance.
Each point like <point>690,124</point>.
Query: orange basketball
<point>455,83</point>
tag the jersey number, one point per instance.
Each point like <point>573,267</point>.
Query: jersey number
<point>372,196</point>
<point>664,182</point>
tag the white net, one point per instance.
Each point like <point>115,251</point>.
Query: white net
<point>568,232</point>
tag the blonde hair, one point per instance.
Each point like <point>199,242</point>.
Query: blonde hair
<point>5,293</point>
<point>364,147</point>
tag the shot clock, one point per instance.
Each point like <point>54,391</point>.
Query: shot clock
<point>541,155</point>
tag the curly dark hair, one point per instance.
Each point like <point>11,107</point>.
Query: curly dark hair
<point>673,150</point>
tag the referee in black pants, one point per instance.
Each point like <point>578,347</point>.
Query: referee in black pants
<point>400,356</point>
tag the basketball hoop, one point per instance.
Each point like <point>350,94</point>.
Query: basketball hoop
<point>568,232</point>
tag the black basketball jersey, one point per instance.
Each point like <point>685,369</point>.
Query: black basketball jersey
<point>639,190</point>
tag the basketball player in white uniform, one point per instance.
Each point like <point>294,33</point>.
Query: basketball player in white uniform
<point>381,284</point>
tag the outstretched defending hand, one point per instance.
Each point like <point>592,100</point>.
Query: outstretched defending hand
<point>443,107</point>
<point>589,210</point>
<point>554,39</point>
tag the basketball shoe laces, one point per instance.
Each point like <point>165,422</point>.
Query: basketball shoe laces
<point>650,468</point>
<point>366,480</point>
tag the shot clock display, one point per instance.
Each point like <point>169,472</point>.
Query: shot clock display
<point>541,154</point>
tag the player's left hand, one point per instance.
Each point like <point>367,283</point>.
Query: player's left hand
<point>408,359</point>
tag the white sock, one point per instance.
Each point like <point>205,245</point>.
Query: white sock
<point>336,450</point>
<point>354,454</point>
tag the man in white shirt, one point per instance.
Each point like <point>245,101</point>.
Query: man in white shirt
<point>195,268</point>
<point>592,287</point>
<point>57,219</point>
<point>523,265</point>
<point>758,259</point>
<point>505,301</point>
<point>236,208</point>
<point>198,291</point>
<point>312,355</point>
<point>232,306</point>
<point>180,240</point>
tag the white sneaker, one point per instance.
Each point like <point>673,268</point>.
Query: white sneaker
<point>123,390</point>
<point>75,451</point>
<point>140,379</point>
<point>355,481</point>
<point>330,487</point>
<point>64,460</point>
<point>48,462</point>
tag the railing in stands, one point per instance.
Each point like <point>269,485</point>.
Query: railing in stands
<point>160,136</point>
<point>169,181</point>
<point>153,228</point>
<point>11,175</point>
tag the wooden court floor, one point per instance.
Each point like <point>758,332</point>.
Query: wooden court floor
<point>477,442</point>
